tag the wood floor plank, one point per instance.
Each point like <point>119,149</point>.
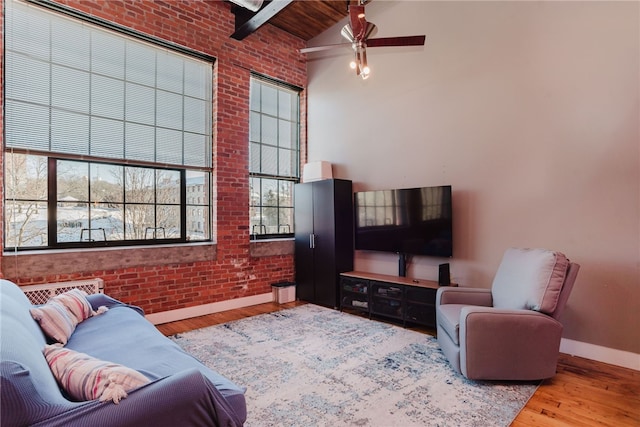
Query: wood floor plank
<point>583,393</point>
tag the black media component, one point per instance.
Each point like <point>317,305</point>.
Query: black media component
<point>402,265</point>
<point>412,221</point>
<point>444,276</point>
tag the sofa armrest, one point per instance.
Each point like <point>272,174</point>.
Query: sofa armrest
<point>508,344</point>
<point>98,300</point>
<point>470,296</point>
<point>185,399</point>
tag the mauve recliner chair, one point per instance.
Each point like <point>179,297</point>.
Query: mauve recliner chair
<point>511,331</point>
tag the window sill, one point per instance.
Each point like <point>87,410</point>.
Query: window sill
<point>69,261</point>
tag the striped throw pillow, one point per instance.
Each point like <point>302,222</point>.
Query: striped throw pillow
<point>76,302</point>
<point>86,378</point>
<point>55,321</point>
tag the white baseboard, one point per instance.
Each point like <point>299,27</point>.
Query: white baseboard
<point>202,310</point>
<point>612,356</point>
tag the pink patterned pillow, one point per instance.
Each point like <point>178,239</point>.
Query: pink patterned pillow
<point>55,321</point>
<point>86,378</point>
<point>76,302</point>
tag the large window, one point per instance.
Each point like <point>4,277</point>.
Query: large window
<point>107,136</point>
<point>274,157</point>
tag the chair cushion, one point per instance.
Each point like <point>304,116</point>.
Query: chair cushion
<point>529,279</point>
<point>449,320</point>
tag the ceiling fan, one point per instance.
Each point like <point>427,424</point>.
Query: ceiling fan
<point>358,32</point>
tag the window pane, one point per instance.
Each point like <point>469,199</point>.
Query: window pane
<point>140,63</point>
<point>70,44</point>
<point>107,138</point>
<point>269,192</point>
<point>140,104</point>
<point>269,100</point>
<point>34,89</point>
<point>107,54</point>
<point>107,185</point>
<point>108,217</point>
<point>287,134</point>
<point>28,127</point>
<point>139,222</point>
<point>169,72</point>
<point>168,110</point>
<point>197,149</point>
<point>285,160</point>
<point>286,220</point>
<point>196,116</point>
<point>197,222</point>
<point>254,127</point>
<point>285,193</point>
<point>168,220</point>
<point>73,223</point>
<point>139,141</point>
<point>269,130</point>
<point>107,97</point>
<point>287,105</point>
<point>254,158</point>
<point>69,132</point>
<point>25,177</point>
<point>25,224</point>
<point>269,160</point>
<point>72,182</point>
<point>70,89</point>
<point>139,185</point>
<point>166,140</point>
<point>167,187</point>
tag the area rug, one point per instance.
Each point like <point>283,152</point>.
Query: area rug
<point>313,366</point>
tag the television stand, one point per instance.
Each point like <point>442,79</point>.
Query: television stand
<point>403,299</point>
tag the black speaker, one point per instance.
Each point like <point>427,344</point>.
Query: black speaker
<point>444,277</point>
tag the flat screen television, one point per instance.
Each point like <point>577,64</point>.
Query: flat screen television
<point>409,221</point>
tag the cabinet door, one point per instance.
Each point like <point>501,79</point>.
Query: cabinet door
<point>325,274</point>
<point>303,220</point>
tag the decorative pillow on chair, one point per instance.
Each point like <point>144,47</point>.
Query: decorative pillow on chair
<point>55,320</point>
<point>86,378</point>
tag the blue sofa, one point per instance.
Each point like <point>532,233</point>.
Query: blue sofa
<point>182,391</point>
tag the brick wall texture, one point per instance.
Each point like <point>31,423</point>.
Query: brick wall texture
<point>160,279</point>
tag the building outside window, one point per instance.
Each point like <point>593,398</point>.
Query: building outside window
<point>274,165</point>
<point>107,136</point>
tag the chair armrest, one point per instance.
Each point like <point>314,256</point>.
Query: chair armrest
<point>470,296</point>
<point>186,398</point>
<point>508,344</point>
<point>98,300</point>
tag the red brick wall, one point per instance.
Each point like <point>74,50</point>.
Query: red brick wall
<point>154,279</point>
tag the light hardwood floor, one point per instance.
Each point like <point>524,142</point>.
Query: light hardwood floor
<point>583,392</point>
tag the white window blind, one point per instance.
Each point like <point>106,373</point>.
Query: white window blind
<point>75,88</point>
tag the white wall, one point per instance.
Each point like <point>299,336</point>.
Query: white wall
<point>530,110</point>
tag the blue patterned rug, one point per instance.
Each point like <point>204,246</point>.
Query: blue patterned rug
<point>313,366</point>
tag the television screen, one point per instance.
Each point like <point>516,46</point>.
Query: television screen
<point>415,221</point>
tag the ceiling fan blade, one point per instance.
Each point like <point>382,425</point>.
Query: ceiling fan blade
<point>326,47</point>
<point>397,41</point>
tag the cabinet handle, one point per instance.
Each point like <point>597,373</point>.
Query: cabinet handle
<point>312,241</point>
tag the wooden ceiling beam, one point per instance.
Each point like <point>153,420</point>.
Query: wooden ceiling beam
<point>261,17</point>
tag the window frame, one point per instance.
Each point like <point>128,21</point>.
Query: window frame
<point>51,157</point>
<point>261,176</point>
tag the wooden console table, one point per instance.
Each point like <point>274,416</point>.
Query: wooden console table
<point>401,298</point>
